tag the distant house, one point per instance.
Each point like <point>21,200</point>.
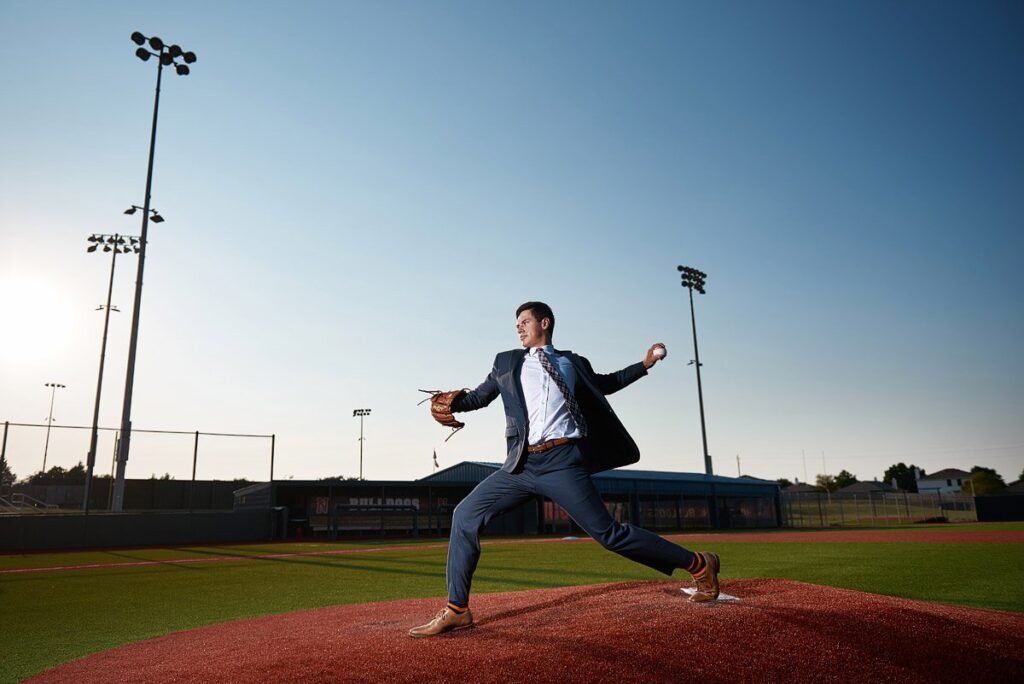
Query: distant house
<point>865,489</point>
<point>948,481</point>
<point>1015,487</point>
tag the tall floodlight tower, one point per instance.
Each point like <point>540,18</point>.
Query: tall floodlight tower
<point>167,55</point>
<point>692,279</point>
<point>361,413</point>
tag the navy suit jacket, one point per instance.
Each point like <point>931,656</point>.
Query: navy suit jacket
<point>607,445</point>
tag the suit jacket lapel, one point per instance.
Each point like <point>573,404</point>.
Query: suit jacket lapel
<point>517,366</point>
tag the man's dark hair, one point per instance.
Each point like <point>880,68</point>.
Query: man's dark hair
<point>540,311</point>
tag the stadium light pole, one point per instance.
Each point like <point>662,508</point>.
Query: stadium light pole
<point>692,279</point>
<point>362,413</point>
<point>115,244</point>
<point>54,386</point>
<point>167,55</point>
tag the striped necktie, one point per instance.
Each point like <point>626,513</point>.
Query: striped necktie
<point>570,400</point>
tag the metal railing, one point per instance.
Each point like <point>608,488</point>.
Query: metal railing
<point>18,502</point>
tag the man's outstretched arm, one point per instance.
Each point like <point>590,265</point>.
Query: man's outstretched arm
<point>612,382</point>
<point>477,398</point>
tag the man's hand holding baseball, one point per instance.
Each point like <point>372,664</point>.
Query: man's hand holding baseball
<point>655,354</point>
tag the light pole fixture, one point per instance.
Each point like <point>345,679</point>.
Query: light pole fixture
<point>362,413</point>
<point>167,55</point>
<point>692,279</point>
<point>115,244</point>
<point>54,386</point>
<point>157,218</point>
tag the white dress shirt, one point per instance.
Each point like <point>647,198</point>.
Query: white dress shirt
<point>546,411</point>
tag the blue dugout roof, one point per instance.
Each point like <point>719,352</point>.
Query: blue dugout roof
<point>625,481</point>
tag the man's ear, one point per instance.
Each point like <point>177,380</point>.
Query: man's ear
<point>545,323</point>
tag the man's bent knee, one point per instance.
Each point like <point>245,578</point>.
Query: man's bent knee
<point>613,536</point>
<point>465,522</point>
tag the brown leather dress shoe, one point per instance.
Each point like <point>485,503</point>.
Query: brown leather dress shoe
<point>707,581</point>
<point>445,621</point>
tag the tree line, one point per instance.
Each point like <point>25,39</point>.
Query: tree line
<point>58,475</point>
<point>983,480</point>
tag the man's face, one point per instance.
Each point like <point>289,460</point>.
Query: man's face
<point>532,333</point>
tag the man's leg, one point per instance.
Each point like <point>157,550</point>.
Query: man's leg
<point>495,495</point>
<point>573,490</point>
<point>498,493</point>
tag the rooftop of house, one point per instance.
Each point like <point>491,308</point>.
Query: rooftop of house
<point>947,474</point>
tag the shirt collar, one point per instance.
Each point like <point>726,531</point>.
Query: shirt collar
<point>550,349</point>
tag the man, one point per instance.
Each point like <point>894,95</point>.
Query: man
<point>560,429</point>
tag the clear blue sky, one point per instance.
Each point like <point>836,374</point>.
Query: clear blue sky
<point>358,196</point>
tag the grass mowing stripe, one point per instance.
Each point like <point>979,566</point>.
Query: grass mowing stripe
<point>68,558</point>
<point>204,559</point>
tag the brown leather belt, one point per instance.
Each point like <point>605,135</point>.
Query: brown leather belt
<point>550,444</point>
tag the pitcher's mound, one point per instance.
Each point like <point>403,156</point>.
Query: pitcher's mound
<point>639,631</point>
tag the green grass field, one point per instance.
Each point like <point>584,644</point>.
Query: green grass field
<point>48,618</point>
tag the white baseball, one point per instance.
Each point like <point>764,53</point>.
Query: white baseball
<point>659,352</point>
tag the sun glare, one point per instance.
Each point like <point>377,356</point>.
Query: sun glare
<point>35,319</point>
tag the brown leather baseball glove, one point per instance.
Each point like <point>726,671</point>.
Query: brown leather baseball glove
<point>441,408</point>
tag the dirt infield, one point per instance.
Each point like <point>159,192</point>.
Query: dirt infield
<point>638,631</point>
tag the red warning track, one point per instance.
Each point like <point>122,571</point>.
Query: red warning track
<point>640,631</point>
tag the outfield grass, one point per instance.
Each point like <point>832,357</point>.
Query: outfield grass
<point>48,618</point>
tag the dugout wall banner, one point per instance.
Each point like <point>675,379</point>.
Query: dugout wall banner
<point>343,508</point>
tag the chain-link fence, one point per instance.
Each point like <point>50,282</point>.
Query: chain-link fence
<point>819,509</point>
<point>185,457</point>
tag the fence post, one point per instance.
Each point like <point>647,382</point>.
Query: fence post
<point>332,522</point>
<point>3,455</point>
<point>113,462</point>
<point>195,457</point>
<point>842,518</point>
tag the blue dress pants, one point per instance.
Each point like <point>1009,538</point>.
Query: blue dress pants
<point>558,474</point>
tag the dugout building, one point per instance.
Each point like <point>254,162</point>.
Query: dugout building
<point>650,499</point>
